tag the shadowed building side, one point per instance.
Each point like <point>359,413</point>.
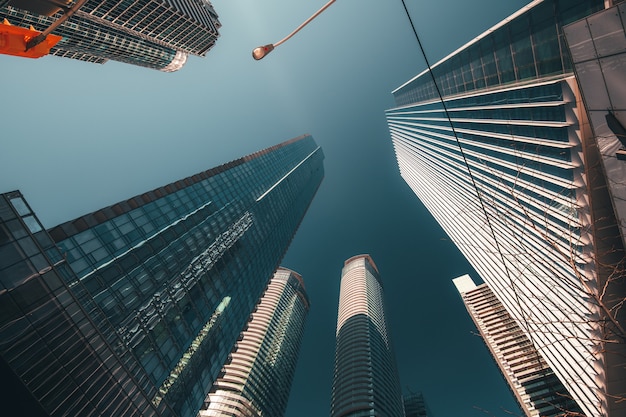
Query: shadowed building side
<point>415,405</point>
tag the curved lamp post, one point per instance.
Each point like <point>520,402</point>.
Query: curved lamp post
<point>262,51</point>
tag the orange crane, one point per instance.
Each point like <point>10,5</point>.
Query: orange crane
<point>29,43</point>
<point>14,41</point>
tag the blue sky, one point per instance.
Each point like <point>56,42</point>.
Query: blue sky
<point>76,137</point>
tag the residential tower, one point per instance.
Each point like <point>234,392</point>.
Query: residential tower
<point>257,379</point>
<point>365,381</point>
<point>533,383</point>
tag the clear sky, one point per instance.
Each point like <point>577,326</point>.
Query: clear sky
<point>75,137</point>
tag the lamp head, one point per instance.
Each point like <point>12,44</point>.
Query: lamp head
<point>261,51</point>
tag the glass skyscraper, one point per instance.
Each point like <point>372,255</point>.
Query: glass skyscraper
<point>365,381</point>
<point>415,405</point>
<point>149,33</point>
<point>257,380</point>
<point>537,389</point>
<point>507,164</point>
<point>134,309</point>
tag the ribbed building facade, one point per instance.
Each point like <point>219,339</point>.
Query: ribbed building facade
<point>365,381</point>
<point>507,164</point>
<point>148,33</point>
<point>257,380</point>
<point>537,389</point>
<point>134,309</point>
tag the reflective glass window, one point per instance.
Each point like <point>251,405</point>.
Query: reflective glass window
<point>20,206</point>
<point>9,255</point>
<point>16,229</point>
<point>32,224</point>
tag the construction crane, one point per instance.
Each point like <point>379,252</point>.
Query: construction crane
<point>14,41</point>
<point>28,42</point>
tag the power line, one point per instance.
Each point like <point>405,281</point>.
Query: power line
<point>469,171</point>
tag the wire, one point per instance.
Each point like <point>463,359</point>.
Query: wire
<point>469,171</point>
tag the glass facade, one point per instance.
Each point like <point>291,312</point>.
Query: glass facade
<point>365,381</point>
<point>257,380</point>
<point>415,406</point>
<point>529,47</point>
<point>58,353</point>
<point>598,45</point>
<point>598,49</point>
<point>507,164</point>
<point>171,276</point>
<point>150,33</point>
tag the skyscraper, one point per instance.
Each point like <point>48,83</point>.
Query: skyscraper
<point>365,381</point>
<point>535,386</point>
<point>148,33</point>
<point>258,378</point>
<point>415,406</point>
<point>134,309</point>
<point>508,165</point>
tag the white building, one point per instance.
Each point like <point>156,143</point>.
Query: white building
<point>365,381</point>
<point>257,380</point>
<point>501,153</point>
<point>537,389</point>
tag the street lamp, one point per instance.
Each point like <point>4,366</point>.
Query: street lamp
<point>262,51</point>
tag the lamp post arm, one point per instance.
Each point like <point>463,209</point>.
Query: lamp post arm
<point>306,22</point>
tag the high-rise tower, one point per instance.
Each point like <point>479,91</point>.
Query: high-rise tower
<point>415,405</point>
<point>365,379</point>
<point>134,309</point>
<point>257,380</point>
<point>501,153</point>
<point>149,33</point>
<point>535,386</point>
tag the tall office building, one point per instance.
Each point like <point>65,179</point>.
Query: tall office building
<point>415,405</point>
<point>148,33</point>
<point>507,163</point>
<point>133,310</point>
<point>537,389</point>
<point>365,381</point>
<point>258,378</point>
